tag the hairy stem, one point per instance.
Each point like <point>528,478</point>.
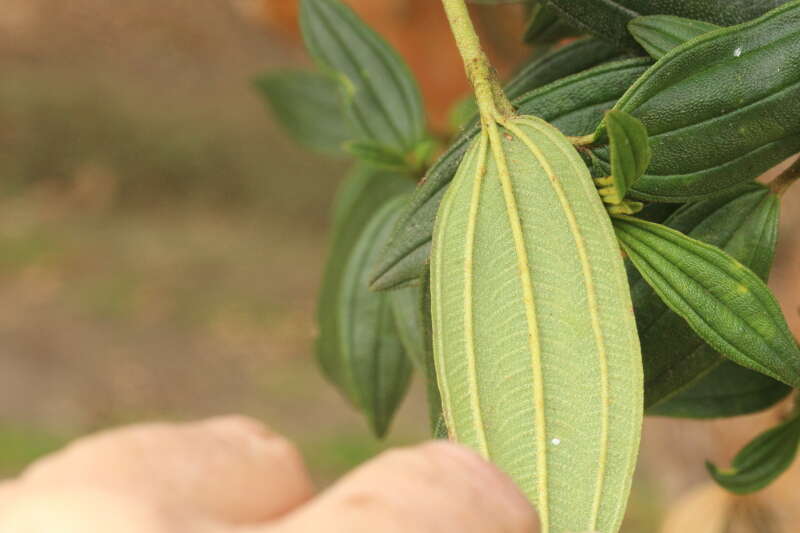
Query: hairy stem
<point>492,101</point>
<point>785,179</point>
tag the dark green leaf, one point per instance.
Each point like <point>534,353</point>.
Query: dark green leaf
<point>379,91</point>
<point>407,306</point>
<point>462,113</point>
<point>440,429</point>
<point>719,109</point>
<point>575,105</point>
<point>760,462</point>
<point>745,225</point>
<point>560,63</point>
<point>630,155</point>
<point>728,390</point>
<point>359,198</point>
<point>545,26</point>
<point>658,34</point>
<point>372,350</point>
<point>657,212</point>
<point>376,155</point>
<point>724,302</point>
<point>608,19</point>
<point>432,385</point>
<point>543,69</point>
<point>307,106</point>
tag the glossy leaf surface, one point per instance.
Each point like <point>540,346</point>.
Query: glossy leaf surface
<point>534,339</point>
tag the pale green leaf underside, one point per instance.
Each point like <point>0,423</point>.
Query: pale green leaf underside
<point>534,337</point>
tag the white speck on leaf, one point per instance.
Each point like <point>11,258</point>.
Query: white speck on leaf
<point>556,442</point>
<point>737,52</point>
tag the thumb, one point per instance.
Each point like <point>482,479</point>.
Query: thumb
<point>433,488</point>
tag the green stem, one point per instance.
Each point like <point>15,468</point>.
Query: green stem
<point>492,101</point>
<point>786,178</point>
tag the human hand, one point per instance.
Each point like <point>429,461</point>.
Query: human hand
<point>232,475</point>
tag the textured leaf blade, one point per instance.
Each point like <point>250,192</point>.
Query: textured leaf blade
<point>760,462</point>
<point>745,225</point>
<point>575,105</point>
<point>725,303</point>
<point>658,34</point>
<point>525,275</point>
<point>407,308</point>
<point>545,68</point>
<point>719,109</point>
<point>376,155</point>
<point>630,153</point>
<point>359,197</point>
<point>545,26</point>
<point>564,61</point>
<point>307,106</point>
<point>372,348</point>
<point>434,395</point>
<point>379,91</point>
<point>728,390</point>
<point>608,19</point>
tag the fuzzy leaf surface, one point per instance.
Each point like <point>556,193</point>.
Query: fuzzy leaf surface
<point>432,385</point>
<point>728,390</point>
<point>719,109</point>
<point>407,308</point>
<point>608,19</point>
<point>658,34</point>
<point>575,105</point>
<point>564,61</point>
<point>745,225</point>
<point>723,301</point>
<point>629,151</point>
<point>534,337</point>
<point>545,25</point>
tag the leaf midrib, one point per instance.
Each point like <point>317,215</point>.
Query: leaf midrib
<point>591,294</point>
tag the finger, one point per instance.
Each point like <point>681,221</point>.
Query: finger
<point>706,508</point>
<point>433,488</point>
<point>231,468</point>
<point>87,510</point>
<point>6,488</point>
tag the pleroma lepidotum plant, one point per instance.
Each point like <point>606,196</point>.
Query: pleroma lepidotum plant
<point>591,247</point>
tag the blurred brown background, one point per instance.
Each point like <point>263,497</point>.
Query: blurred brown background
<point>161,241</point>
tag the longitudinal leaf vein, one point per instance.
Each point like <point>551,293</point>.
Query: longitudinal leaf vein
<point>591,294</point>
<point>531,319</point>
